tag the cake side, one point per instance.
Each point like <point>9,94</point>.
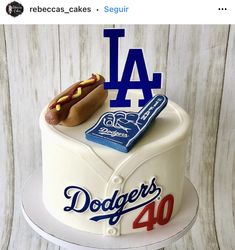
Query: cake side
<point>77,172</point>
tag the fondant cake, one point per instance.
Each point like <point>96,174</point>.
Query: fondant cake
<point>99,190</point>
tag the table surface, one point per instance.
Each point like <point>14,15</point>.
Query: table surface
<point>197,61</point>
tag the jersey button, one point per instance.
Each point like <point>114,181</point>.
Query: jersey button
<point>112,231</point>
<point>117,179</point>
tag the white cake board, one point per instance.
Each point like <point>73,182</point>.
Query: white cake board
<point>51,229</point>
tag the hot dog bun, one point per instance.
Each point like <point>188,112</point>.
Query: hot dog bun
<point>72,107</point>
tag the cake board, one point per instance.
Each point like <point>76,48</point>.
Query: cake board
<point>60,234</point>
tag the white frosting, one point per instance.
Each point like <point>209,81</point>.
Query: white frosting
<point>69,159</point>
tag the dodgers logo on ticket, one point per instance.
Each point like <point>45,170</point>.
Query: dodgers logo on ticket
<point>120,130</point>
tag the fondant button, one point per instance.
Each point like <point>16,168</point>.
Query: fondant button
<point>112,231</point>
<point>117,179</point>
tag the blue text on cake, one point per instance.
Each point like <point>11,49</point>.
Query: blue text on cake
<point>113,208</point>
<point>135,56</point>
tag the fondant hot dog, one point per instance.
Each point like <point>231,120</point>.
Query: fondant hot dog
<point>77,103</point>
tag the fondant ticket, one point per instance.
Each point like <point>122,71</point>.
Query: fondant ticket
<point>120,130</point>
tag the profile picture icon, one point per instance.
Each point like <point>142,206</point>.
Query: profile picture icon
<point>14,9</point>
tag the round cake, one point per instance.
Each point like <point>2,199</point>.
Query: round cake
<point>100,190</point>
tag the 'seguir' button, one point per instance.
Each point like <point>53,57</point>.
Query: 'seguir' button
<point>116,10</point>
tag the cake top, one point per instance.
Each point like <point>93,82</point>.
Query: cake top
<point>171,126</point>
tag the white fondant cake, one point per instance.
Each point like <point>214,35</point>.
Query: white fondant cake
<point>99,190</point>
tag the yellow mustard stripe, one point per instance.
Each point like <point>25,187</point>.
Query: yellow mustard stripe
<point>57,107</point>
<point>87,81</point>
<point>78,93</point>
<point>91,80</point>
<point>63,98</point>
<point>97,77</point>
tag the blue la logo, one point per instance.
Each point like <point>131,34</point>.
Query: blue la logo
<point>135,56</point>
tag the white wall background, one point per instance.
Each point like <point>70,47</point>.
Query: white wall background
<point>198,63</point>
